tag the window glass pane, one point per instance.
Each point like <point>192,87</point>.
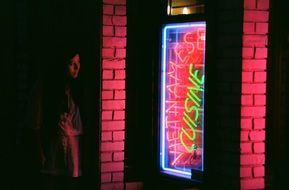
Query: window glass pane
<point>179,7</point>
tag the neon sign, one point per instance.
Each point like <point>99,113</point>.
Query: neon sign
<point>182,98</point>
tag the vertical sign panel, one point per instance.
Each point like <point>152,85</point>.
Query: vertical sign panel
<point>182,98</point>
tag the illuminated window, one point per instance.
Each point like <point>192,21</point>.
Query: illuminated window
<point>182,99</point>
<point>184,7</point>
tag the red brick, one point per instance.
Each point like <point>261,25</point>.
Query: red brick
<point>120,53</point>
<point>246,147</point>
<point>255,40</point>
<point>120,31</point>
<point>107,95</point>
<point>260,76</point>
<point>112,167</point>
<point>249,4</point>
<point>253,111</point>
<point>115,2</point>
<point>106,20</point>
<point>118,156</point>
<point>106,136</point>
<point>249,28</point>
<point>107,31</point>
<point>107,9</point>
<point>259,147</point>
<point>119,74</point>
<point>120,10</point>
<point>114,42</point>
<point>113,84</point>
<point>245,172</point>
<point>119,115</point>
<point>247,76</point>
<point>106,115</point>
<point>113,104</point>
<point>254,65</point>
<point>261,53</point>
<point>112,186</point>
<point>119,20</point>
<point>246,123</point>
<point>262,28</point>
<point>256,16</point>
<point>259,123</point>
<point>112,125</point>
<point>119,95</point>
<point>247,99</point>
<point>113,64</point>
<point>259,88</point>
<point>260,100</point>
<point>112,146</point>
<point>244,136</point>
<point>107,52</point>
<point>118,135</point>
<point>248,52</point>
<point>263,4</point>
<point>107,74</point>
<point>252,183</point>
<point>252,159</point>
<point>117,176</point>
<point>105,177</point>
<point>257,135</point>
<point>106,157</point>
<point>259,171</point>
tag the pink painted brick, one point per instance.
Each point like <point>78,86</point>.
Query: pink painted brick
<point>120,31</point>
<point>119,74</point>
<point>254,64</point>
<point>119,95</point>
<point>107,74</point>
<point>120,53</point>
<point>106,115</point>
<point>108,52</point>
<point>245,172</point>
<point>253,111</point>
<point>107,95</point>
<point>120,10</point>
<point>259,147</point>
<point>261,53</point>
<point>249,4</point>
<point>107,31</point>
<point>113,104</point>
<point>252,159</point>
<point>114,42</point>
<point>259,171</point>
<point>263,4</point>
<point>118,156</point>
<point>249,28</point>
<point>115,2</point>
<point>118,135</point>
<point>261,28</point>
<point>117,176</point>
<point>260,100</point>
<point>257,135</point>
<point>247,100</point>
<point>119,115</point>
<point>107,9</point>
<point>244,136</point>
<point>256,16</point>
<point>106,136</point>
<point>260,76</point>
<point>106,157</point>
<point>246,147</point>
<point>259,88</point>
<point>246,123</point>
<point>259,123</point>
<point>113,64</point>
<point>112,146</point>
<point>112,167</point>
<point>119,20</point>
<point>247,76</point>
<point>112,186</point>
<point>106,20</point>
<point>248,52</point>
<point>113,125</point>
<point>252,183</point>
<point>255,40</point>
<point>106,177</point>
<point>113,84</point>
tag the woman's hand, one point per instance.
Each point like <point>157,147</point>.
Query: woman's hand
<point>66,125</point>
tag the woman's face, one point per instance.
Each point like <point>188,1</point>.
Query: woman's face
<point>74,66</point>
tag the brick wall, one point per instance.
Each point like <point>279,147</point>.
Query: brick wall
<point>113,94</point>
<point>253,100</point>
